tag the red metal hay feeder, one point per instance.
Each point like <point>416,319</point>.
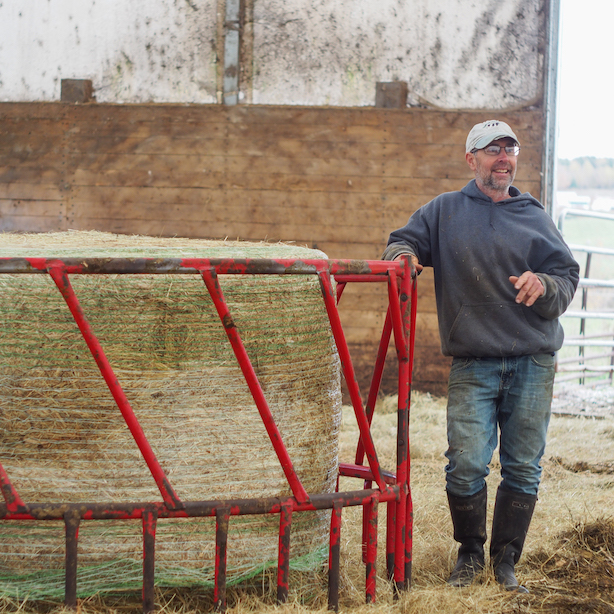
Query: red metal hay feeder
<point>379,486</point>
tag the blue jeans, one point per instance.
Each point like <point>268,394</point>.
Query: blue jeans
<point>511,396</point>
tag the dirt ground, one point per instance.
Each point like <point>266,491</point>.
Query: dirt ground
<point>568,562</point>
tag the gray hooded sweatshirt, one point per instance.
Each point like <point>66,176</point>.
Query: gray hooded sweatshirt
<point>474,244</point>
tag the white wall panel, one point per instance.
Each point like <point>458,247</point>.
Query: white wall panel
<point>460,54</point>
<point>132,50</point>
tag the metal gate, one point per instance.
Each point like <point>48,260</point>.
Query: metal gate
<point>600,360</point>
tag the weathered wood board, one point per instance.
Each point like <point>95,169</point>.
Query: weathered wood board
<point>339,179</point>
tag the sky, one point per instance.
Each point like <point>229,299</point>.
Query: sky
<point>586,79</point>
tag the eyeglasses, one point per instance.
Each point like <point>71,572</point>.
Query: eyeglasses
<point>495,150</point>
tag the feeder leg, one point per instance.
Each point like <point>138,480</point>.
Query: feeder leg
<point>221,542</point>
<point>150,518</point>
<point>399,552</point>
<point>283,566</point>
<point>409,527</point>
<point>391,510</point>
<point>372,551</point>
<point>366,519</point>
<point>71,524</point>
<point>334,557</point>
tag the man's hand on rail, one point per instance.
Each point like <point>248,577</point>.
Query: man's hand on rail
<point>416,267</point>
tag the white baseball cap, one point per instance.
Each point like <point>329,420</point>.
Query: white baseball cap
<point>485,133</point>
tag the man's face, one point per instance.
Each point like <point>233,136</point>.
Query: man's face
<point>494,173</point>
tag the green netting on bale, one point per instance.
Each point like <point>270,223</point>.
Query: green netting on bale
<point>62,437</point>
<point>126,575</point>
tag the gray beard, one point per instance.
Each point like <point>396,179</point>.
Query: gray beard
<point>498,186</point>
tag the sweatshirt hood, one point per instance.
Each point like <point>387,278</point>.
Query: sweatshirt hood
<point>516,197</point>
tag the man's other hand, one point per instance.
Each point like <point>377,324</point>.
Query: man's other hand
<point>530,287</point>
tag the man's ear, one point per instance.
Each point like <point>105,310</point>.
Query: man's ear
<point>470,160</point>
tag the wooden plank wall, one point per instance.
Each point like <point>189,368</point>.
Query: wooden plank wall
<point>339,179</point>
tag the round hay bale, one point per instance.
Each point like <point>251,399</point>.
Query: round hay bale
<point>63,439</point>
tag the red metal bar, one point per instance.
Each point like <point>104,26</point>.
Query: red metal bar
<point>399,539</point>
<point>409,522</point>
<point>372,550</point>
<point>376,380</point>
<point>221,545</point>
<point>238,507</point>
<point>340,288</point>
<point>212,283</point>
<point>364,473</point>
<point>350,378</point>
<point>341,278</point>
<point>334,557</point>
<point>14,504</point>
<point>60,277</point>
<point>367,510</point>
<point>409,526</point>
<point>71,526</point>
<point>150,519</point>
<point>402,426</point>
<point>396,311</point>
<point>364,269</point>
<point>283,566</point>
<point>411,333</point>
<point>391,522</point>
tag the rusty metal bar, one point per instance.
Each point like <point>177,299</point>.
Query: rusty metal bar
<point>238,507</point>
<point>71,527</point>
<point>409,539</point>
<point>341,278</point>
<point>391,510</point>
<point>399,311</point>
<point>364,473</point>
<point>222,516</point>
<point>13,501</point>
<point>212,283</point>
<point>283,565</point>
<point>60,277</point>
<point>367,510</point>
<point>186,266</point>
<point>334,557</point>
<point>350,378</point>
<point>340,288</point>
<point>395,298</point>
<point>371,561</point>
<point>376,379</point>
<point>409,323</point>
<point>150,519</point>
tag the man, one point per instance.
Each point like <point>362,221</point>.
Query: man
<point>503,276</point>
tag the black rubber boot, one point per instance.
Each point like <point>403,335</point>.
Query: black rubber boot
<point>511,520</point>
<point>469,520</point>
